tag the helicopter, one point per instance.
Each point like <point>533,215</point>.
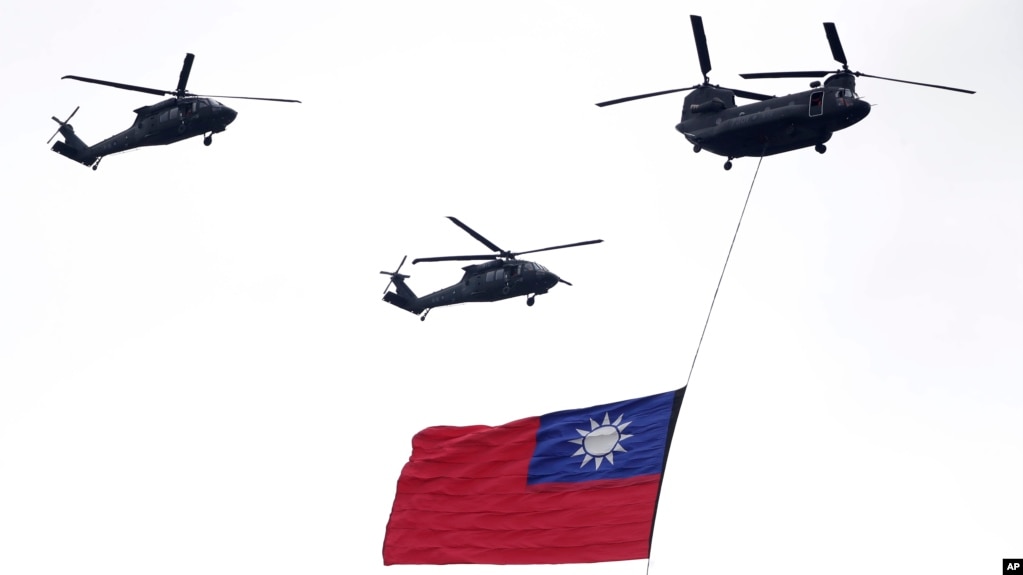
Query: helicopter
<point>184,116</point>
<point>712,121</point>
<point>503,276</point>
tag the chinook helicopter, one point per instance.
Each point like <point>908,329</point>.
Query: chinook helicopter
<point>712,121</point>
<point>502,277</point>
<point>184,116</point>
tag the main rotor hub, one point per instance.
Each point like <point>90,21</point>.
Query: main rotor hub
<point>843,79</point>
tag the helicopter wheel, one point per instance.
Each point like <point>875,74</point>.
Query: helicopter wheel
<point>821,148</point>
<point>697,148</point>
<point>728,165</point>
<point>207,140</point>
<point>530,301</point>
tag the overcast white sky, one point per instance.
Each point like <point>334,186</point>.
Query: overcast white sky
<point>197,373</point>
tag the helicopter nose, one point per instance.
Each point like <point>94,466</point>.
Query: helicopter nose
<point>860,109</point>
<point>229,115</point>
<point>551,280</point>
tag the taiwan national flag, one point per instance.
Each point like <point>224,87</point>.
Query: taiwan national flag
<point>575,486</point>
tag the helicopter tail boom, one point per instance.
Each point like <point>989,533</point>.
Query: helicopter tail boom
<point>398,300</point>
<point>75,153</point>
<point>72,147</point>
<point>404,297</point>
<point>404,293</point>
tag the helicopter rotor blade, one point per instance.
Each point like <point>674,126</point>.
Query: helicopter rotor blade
<point>818,74</point>
<point>760,75</point>
<point>388,283</point>
<point>476,235</point>
<point>701,45</point>
<point>916,83</point>
<point>586,243</point>
<point>62,124</point>
<point>836,45</point>
<point>750,95</point>
<point>395,274</point>
<point>641,96</point>
<point>456,258</point>
<point>838,53</point>
<point>143,89</point>
<point>248,98</point>
<point>186,69</point>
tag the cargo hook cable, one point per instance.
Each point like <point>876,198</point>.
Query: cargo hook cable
<point>723,268</point>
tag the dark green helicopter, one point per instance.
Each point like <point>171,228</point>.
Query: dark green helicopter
<point>179,118</point>
<point>502,277</point>
<point>774,124</point>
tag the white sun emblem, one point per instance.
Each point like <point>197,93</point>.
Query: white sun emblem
<point>601,441</point>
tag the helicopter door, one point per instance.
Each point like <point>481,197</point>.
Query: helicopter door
<point>475,283</point>
<point>816,103</point>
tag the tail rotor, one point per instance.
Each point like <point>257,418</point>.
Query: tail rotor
<point>62,124</point>
<point>395,274</point>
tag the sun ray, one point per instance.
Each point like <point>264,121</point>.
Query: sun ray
<point>601,441</point>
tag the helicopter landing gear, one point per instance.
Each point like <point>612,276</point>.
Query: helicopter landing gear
<point>423,317</point>
<point>95,165</point>
<point>207,140</point>
<point>697,148</point>
<point>728,164</point>
<point>530,300</point>
<point>821,148</point>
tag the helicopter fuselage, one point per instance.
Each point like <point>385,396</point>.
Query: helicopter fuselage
<point>487,282</point>
<point>166,122</point>
<point>772,126</point>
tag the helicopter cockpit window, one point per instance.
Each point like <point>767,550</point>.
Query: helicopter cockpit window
<point>527,267</point>
<point>499,275</point>
<point>845,97</point>
<point>490,276</point>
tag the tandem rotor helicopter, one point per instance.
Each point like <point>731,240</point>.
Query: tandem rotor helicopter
<point>712,121</point>
<point>184,116</point>
<point>502,277</point>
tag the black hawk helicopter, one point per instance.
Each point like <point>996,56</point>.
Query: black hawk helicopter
<point>502,277</point>
<point>184,116</point>
<point>712,121</point>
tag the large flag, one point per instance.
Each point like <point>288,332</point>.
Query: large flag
<point>575,486</point>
